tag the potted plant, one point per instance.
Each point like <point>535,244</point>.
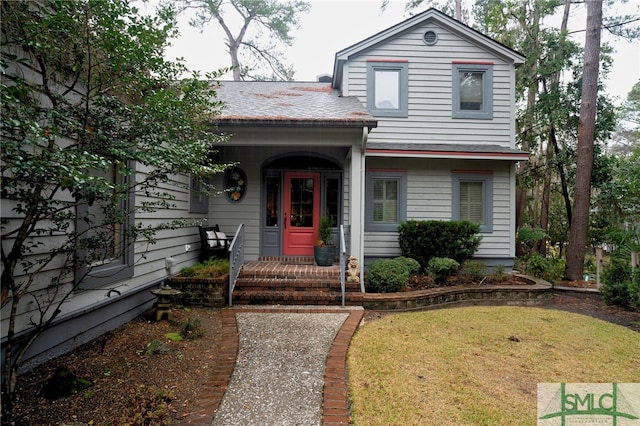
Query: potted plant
<point>325,251</point>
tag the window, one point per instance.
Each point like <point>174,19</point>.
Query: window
<point>385,201</point>
<point>106,253</point>
<point>472,199</point>
<point>332,195</point>
<point>472,91</point>
<point>387,89</point>
<point>198,201</point>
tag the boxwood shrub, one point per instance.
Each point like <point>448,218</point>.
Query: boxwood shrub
<point>412,264</point>
<point>387,275</point>
<point>440,268</point>
<point>424,240</point>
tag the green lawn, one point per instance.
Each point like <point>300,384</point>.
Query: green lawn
<point>479,365</point>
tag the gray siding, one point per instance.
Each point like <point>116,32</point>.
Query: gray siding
<point>430,91</point>
<point>149,270</point>
<point>429,185</point>
<point>229,215</point>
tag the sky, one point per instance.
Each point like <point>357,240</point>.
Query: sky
<point>331,26</point>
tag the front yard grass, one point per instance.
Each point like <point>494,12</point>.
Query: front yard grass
<point>479,365</point>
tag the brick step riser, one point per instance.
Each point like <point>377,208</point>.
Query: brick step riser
<point>295,298</point>
<point>293,284</point>
<point>270,275</point>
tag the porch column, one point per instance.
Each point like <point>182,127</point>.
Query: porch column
<point>356,207</point>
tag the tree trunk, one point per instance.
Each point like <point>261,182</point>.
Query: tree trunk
<point>528,124</point>
<point>586,134</point>
<point>544,202</point>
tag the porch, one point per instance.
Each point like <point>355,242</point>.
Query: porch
<point>292,281</point>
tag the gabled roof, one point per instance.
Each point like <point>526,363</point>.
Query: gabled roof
<point>279,103</point>
<point>436,16</point>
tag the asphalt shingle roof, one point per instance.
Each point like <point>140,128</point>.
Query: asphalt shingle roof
<point>289,104</point>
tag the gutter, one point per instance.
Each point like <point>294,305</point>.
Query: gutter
<point>279,122</point>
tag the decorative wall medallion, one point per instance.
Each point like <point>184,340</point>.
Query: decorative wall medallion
<point>235,184</point>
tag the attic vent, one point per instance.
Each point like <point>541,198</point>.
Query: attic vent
<point>430,38</point>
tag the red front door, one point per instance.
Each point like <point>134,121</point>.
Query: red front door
<point>301,212</point>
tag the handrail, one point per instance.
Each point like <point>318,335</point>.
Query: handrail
<point>343,262</point>
<point>236,259</point>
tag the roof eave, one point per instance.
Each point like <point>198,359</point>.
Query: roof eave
<point>504,156</point>
<point>268,122</point>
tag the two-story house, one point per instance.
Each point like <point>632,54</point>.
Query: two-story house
<point>417,122</point>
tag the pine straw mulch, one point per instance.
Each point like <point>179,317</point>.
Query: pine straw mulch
<point>130,387</point>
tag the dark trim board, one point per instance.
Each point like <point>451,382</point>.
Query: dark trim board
<point>80,327</point>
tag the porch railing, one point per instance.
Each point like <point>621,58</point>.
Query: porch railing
<point>236,259</point>
<point>343,262</point>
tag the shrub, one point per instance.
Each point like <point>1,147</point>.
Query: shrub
<point>387,275</point>
<point>441,268</point>
<point>412,265</point>
<point>192,329</point>
<point>536,264</point>
<point>621,284</point>
<point>424,240</point>
<point>474,269</point>
<point>634,289</point>
<point>212,268</point>
<point>548,268</point>
<point>498,274</point>
<point>156,347</point>
<point>528,236</point>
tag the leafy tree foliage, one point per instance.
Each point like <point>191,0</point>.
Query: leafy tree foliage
<point>86,96</point>
<point>261,27</point>
<point>627,135</point>
<point>549,96</point>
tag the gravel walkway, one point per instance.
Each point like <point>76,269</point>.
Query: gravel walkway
<point>279,372</point>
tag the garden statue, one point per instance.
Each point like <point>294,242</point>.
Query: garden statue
<point>353,270</point>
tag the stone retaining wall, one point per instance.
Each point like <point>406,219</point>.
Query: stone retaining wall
<point>536,292</point>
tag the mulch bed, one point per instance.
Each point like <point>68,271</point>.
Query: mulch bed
<point>132,387</point>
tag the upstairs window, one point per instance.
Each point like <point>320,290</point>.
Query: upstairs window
<point>472,91</point>
<point>387,88</point>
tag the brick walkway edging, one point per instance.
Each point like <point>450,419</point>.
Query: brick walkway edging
<point>335,406</point>
<point>211,393</point>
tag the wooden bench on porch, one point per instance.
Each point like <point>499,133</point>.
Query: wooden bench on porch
<point>213,243</point>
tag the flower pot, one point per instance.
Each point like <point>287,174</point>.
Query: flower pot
<point>324,255</point>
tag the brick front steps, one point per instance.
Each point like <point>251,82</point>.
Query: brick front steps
<point>292,281</point>
<point>535,292</point>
